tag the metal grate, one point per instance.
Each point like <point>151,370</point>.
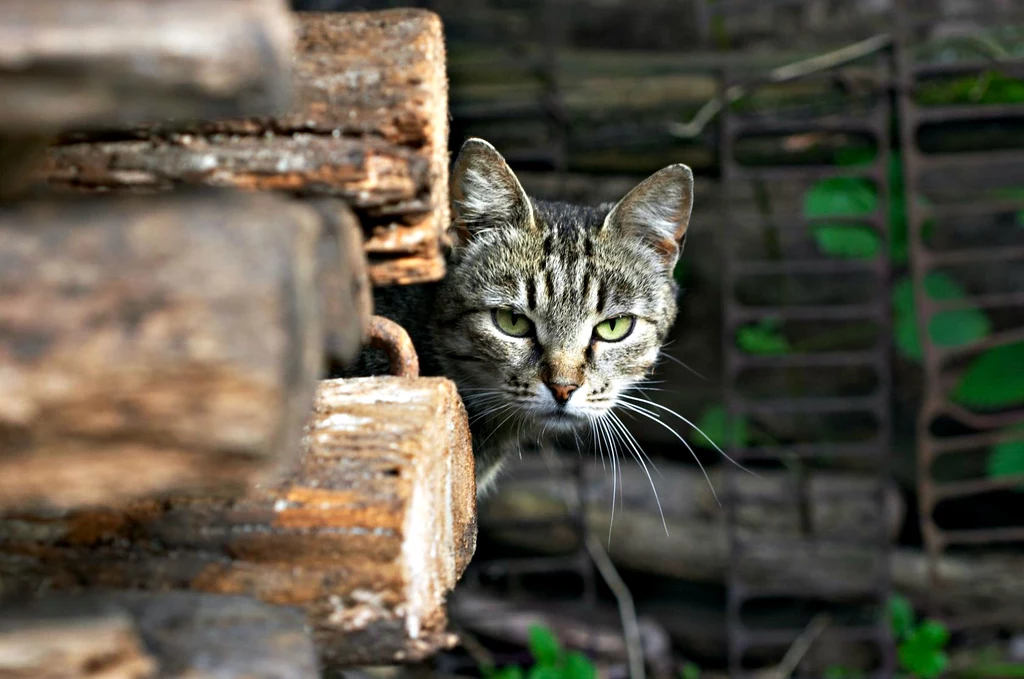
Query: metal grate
<point>790,260</point>
<point>958,229</point>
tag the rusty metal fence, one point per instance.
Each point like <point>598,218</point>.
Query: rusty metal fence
<point>962,205</point>
<point>789,262</point>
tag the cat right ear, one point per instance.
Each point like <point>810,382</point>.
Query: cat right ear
<point>485,193</point>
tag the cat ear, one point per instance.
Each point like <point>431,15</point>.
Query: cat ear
<point>657,210</point>
<point>485,193</point>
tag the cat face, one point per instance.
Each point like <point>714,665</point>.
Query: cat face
<point>550,311</point>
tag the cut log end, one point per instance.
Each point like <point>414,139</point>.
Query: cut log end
<point>111,64</point>
<point>368,125</point>
<point>368,534</point>
<point>133,635</point>
<point>171,340</point>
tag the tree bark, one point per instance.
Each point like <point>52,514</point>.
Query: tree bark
<point>161,344</point>
<point>112,64</point>
<point>696,545</point>
<point>368,535</point>
<point>134,635</point>
<point>369,124</point>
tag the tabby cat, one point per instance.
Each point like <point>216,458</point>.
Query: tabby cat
<point>549,312</point>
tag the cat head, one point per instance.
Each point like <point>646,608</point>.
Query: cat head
<point>550,311</point>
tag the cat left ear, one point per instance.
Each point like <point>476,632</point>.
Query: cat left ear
<point>658,211</point>
<point>485,193</point>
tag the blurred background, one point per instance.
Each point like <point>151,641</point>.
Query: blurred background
<point>851,331</point>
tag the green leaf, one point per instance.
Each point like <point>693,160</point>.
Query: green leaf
<point>544,671</point>
<point>933,633</point>
<point>840,196</point>
<point>994,380</point>
<point>921,653</point>
<point>578,666</point>
<point>713,422</point>
<point>946,329</point>
<point>898,245</point>
<point>689,671</point>
<point>849,241</point>
<point>901,616</point>
<point>544,647</point>
<point>1007,458</point>
<point>855,156</point>
<point>762,338</point>
<point>841,672</point>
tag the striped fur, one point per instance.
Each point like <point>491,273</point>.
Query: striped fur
<point>567,268</point>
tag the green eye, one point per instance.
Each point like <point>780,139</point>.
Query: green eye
<point>511,323</point>
<point>615,329</point>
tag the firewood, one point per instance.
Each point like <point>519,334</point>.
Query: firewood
<point>111,64</point>
<point>135,635</point>
<point>368,535</point>
<point>842,563</point>
<point>369,124</point>
<point>160,344</point>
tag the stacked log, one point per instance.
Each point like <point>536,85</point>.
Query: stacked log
<point>368,124</point>
<point>368,534</point>
<point>134,635</point>
<point>175,482</point>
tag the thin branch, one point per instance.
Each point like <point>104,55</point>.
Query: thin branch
<point>627,611</point>
<point>799,69</point>
<point>795,655</point>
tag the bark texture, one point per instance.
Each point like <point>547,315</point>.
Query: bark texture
<point>112,64</point>
<point>368,534</point>
<point>136,635</point>
<point>369,124</point>
<point>155,345</point>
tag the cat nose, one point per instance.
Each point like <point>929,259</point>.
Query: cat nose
<point>562,392</point>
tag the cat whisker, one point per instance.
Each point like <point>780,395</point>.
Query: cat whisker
<point>662,354</point>
<point>639,455</point>
<point>654,418</point>
<point>649,402</point>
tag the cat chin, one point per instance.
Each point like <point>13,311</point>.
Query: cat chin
<point>562,421</point>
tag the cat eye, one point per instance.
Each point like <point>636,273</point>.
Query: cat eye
<point>511,323</point>
<point>615,329</point>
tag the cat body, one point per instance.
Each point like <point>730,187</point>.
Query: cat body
<point>549,312</point>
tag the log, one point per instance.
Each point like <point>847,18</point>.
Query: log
<point>134,635</point>
<point>173,341</point>
<point>368,535</point>
<point>696,547</point>
<point>841,506</point>
<point>112,64</point>
<point>369,125</point>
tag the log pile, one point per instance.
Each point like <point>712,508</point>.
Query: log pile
<point>368,124</point>
<point>180,493</point>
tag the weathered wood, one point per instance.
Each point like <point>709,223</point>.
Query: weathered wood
<point>343,281</point>
<point>368,535</point>
<point>118,63</point>
<point>842,506</point>
<point>132,635</point>
<point>369,124</point>
<point>696,546</point>
<point>151,345</point>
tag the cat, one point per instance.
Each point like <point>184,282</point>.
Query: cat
<point>549,312</point>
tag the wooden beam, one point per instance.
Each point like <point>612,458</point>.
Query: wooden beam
<point>161,343</point>
<point>112,64</point>
<point>136,635</point>
<point>368,534</point>
<point>843,509</point>
<point>369,125</point>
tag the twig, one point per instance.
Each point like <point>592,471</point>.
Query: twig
<point>815,64</point>
<point>801,646</point>
<point>627,611</point>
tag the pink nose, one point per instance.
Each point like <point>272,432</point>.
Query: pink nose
<point>562,392</point>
